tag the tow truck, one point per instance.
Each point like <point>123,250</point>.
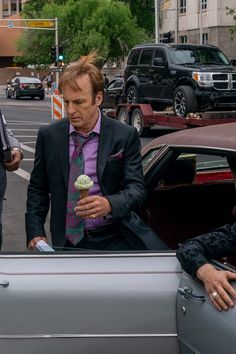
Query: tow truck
<point>143,118</point>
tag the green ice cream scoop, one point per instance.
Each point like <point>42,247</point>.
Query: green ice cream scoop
<point>83,182</point>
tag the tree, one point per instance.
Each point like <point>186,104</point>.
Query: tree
<point>103,25</point>
<point>231,12</point>
<point>143,10</point>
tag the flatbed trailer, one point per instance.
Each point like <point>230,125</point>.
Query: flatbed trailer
<point>142,117</point>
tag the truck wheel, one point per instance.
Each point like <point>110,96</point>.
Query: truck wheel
<point>137,121</point>
<point>123,115</point>
<point>132,95</point>
<point>184,101</point>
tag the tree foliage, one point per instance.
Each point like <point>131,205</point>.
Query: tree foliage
<point>103,25</point>
<point>144,12</point>
<point>232,13</point>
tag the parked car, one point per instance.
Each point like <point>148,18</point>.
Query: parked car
<point>131,301</point>
<point>191,78</point>
<point>23,86</point>
<point>113,93</point>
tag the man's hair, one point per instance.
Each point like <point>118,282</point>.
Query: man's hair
<point>82,67</point>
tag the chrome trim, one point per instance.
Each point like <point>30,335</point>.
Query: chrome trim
<point>89,255</point>
<point>94,335</point>
<point>229,80</point>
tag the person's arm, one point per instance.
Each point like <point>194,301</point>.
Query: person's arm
<point>37,204</point>
<point>194,256</point>
<point>133,190</point>
<point>16,152</point>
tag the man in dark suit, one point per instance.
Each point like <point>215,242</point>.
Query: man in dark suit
<point>111,159</point>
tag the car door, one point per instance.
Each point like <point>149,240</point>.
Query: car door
<point>161,79</point>
<point>144,75</point>
<point>201,328</point>
<point>89,303</point>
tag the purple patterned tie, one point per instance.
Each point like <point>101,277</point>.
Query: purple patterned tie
<point>75,224</point>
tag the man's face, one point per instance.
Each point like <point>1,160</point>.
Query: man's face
<point>80,106</point>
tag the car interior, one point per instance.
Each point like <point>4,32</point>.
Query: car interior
<point>192,202</point>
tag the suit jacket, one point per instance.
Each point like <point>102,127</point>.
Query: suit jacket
<point>119,172</point>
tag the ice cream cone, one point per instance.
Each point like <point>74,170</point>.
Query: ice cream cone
<point>84,193</point>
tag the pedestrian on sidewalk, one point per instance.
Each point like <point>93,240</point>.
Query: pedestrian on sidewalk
<point>13,165</point>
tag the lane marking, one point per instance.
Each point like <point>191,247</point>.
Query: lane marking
<point>27,148</point>
<point>23,174</point>
<point>28,130</point>
<point>20,122</point>
<point>25,136</point>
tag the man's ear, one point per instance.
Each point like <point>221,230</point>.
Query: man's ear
<point>99,98</point>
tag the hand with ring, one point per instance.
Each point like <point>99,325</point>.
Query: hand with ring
<point>218,286</point>
<point>214,294</point>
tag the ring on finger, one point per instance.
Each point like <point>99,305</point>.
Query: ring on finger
<point>214,294</point>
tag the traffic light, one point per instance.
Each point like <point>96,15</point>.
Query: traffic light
<point>60,54</point>
<point>53,54</point>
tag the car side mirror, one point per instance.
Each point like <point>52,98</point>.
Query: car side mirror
<point>233,62</point>
<point>159,62</point>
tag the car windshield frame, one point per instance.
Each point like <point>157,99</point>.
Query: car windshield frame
<point>198,56</point>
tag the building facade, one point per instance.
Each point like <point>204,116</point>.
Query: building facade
<point>9,11</point>
<point>10,7</point>
<point>198,21</point>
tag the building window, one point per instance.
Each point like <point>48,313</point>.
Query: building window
<point>205,38</point>
<point>5,8</point>
<point>183,39</point>
<point>13,7</point>
<point>203,4</point>
<point>182,6</point>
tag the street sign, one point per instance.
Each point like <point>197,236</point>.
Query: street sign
<point>39,23</point>
<point>10,24</point>
<point>56,69</point>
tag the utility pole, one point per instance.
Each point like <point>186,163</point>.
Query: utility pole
<point>177,22</point>
<point>200,21</point>
<point>57,52</point>
<point>157,23</point>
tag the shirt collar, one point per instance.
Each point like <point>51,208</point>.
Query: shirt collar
<point>96,128</point>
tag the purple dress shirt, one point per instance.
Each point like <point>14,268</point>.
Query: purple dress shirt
<point>90,150</point>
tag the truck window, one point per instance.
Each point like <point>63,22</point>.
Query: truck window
<point>146,57</point>
<point>133,57</point>
<point>160,54</point>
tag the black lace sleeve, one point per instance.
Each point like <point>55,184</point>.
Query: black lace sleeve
<point>197,251</point>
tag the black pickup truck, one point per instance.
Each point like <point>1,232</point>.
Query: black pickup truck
<point>191,78</point>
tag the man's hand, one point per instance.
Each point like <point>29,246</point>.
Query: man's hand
<point>32,243</point>
<point>220,291</point>
<point>16,159</point>
<point>94,206</point>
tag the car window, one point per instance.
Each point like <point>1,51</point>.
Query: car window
<point>29,80</point>
<point>133,57</point>
<point>182,56</point>
<point>150,156</point>
<point>146,57</point>
<point>159,53</point>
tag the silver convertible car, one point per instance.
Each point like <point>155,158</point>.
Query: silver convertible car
<point>137,302</point>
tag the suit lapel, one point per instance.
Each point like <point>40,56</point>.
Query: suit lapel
<point>63,146</point>
<point>104,146</point>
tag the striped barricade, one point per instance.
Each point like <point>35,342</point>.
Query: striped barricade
<point>57,105</point>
